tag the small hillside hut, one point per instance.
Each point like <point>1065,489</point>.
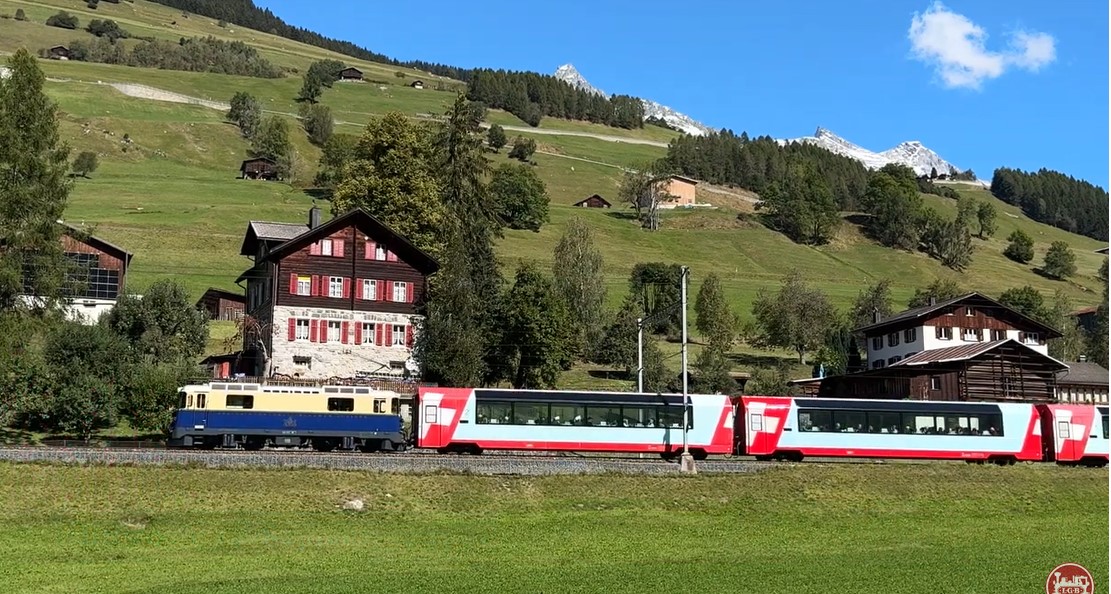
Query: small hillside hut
<point>594,201</point>
<point>59,52</point>
<point>259,168</point>
<point>350,74</point>
<point>417,84</point>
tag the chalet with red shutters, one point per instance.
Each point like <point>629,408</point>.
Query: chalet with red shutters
<point>335,299</point>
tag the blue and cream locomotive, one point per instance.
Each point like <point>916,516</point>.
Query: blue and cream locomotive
<point>252,415</point>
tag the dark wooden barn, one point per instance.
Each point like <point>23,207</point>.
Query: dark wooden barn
<point>351,74</point>
<point>59,52</point>
<point>594,201</point>
<point>259,168</point>
<point>222,305</point>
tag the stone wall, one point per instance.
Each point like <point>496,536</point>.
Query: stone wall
<point>335,358</point>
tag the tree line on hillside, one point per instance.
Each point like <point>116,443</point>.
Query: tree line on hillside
<point>530,96</point>
<point>193,54</point>
<point>57,375</point>
<point>245,14</point>
<point>1055,199</point>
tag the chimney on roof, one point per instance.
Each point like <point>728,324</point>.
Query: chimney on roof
<point>876,315</point>
<point>933,300</point>
<point>314,217</point>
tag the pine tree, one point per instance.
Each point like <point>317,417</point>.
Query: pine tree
<point>33,187</point>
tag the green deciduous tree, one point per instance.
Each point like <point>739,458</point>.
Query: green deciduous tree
<point>655,286</point>
<point>714,320</point>
<point>107,29</point>
<point>948,241</point>
<point>523,148</point>
<point>711,372</point>
<point>618,343</point>
<point>311,90</point>
<point>271,140</point>
<point>985,215</point>
<point>536,330</point>
<point>1027,301</point>
<point>873,300</point>
<point>163,325</point>
<point>771,381</point>
<point>245,112</point>
<point>797,317</point>
<point>149,395</point>
<point>33,188</point>
<point>337,152</point>
<point>967,208</point>
<point>578,278</point>
<point>1020,247</point>
<point>318,123</point>
<point>62,19</point>
<point>390,175</point>
<point>20,15</point>
<point>893,201</point>
<point>522,199</point>
<point>1060,262</point>
<point>85,163</point>
<point>1071,344</point>
<point>495,137</point>
<point>939,290</point>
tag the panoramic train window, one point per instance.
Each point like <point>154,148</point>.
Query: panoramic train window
<point>341,404</point>
<point>600,415</point>
<point>240,401</point>
<point>920,423</point>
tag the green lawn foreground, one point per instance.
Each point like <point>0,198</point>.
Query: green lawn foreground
<point>798,529</point>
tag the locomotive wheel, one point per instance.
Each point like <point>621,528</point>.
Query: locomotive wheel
<point>324,445</point>
<point>387,446</point>
<point>253,444</point>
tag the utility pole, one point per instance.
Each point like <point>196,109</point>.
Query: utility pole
<point>640,355</point>
<point>686,461</point>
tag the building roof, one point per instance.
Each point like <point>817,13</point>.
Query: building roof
<point>222,294</point>
<point>1085,311</point>
<point>684,178</point>
<point>588,198</point>
<point>964,352</point>
<point>349,68</point>
<point>265,231</point>
<point>96,242</point>
<point>266,160</point>
<point>917,313</point>
<point>1102,250</point>
<point>362,220</point>
<point>1083,372</point>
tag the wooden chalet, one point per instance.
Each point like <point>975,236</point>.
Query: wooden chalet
<point>96,277</point>
<point>350,74</point>
<point>259,168</point>
<point>594,201</point>
<point>333,299</point>
<point>222,305</point>
<point>417,84</point>
<point>59,52</point>
<point>1002,370</point>
<point>967,348</point>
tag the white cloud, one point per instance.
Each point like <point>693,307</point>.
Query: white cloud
<point>956,48</point>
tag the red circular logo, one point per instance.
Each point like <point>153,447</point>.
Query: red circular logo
<point>1070,578</point>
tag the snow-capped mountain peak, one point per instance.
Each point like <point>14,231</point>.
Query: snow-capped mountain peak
<point>912,153</point>
<point>570,75</point>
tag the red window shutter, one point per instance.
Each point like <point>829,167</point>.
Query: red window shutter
<point>314,248</point>
<point>314,282</point>
<point>292,284</point>
<point>368,250</point>
<point>313,334</point>
<point>378,334</point>
<point>323,330</point>
<point>346,288</point>
<point>382,289</point>
<point>293,328</point>
<point>408,292</point>
<point>337,248</point>
<point>391,257</point>
<point>409,336</point>
<point>358,288</point>
<point>343,330</point>
<point>358,333</point>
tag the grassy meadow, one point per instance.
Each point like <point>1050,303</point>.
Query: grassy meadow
<point>809,528</point>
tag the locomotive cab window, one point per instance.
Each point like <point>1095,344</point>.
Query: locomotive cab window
<point>240,401</point>
<point>341,404</point>
<point>181,399</point>
<point>380,405</point>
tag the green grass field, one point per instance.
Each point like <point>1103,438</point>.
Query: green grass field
<point>933,528</point>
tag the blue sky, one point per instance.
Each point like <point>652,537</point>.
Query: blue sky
<point>1021,83</point>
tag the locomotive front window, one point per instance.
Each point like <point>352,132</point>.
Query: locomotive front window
<point>341,404</point>
<point>1105,427</point>
<point>181,399</point>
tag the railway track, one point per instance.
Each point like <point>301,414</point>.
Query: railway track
<point>413,462</point>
